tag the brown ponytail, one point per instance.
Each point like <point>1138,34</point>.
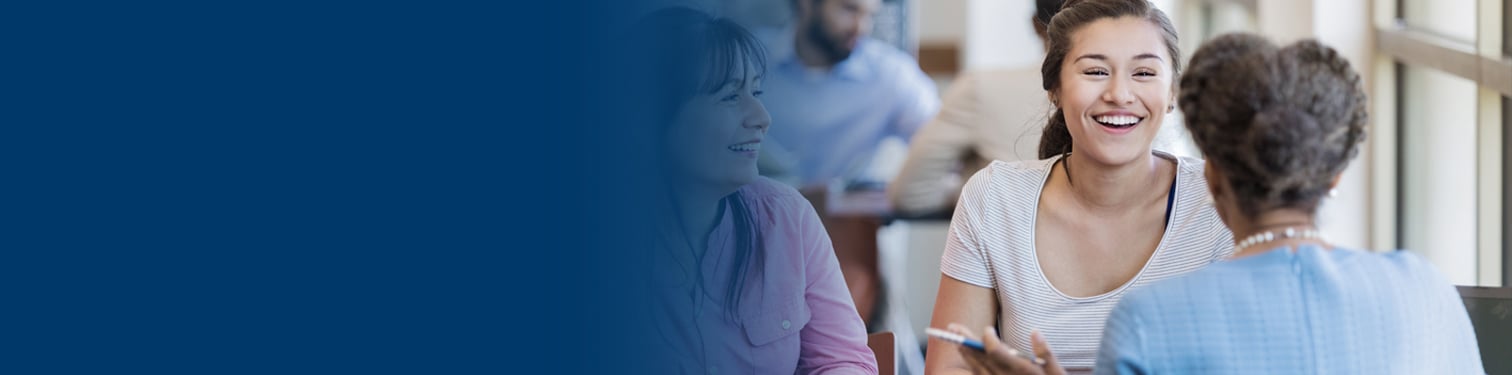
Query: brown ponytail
<point>1056,139</point>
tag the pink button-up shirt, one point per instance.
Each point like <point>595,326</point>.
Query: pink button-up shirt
<point>796,315</point>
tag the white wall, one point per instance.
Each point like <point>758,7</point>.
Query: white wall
<point>1345,26</point>
<point>940,21</point>
<point>999,35</point>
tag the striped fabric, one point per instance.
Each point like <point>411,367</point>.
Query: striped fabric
<point>991,245</point>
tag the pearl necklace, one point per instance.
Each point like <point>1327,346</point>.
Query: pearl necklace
<point>1268,236</point>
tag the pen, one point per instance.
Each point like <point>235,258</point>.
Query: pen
<point>974,344</point>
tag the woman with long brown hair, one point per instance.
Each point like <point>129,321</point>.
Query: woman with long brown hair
<point>1051,245</point>
<point>745,279</point>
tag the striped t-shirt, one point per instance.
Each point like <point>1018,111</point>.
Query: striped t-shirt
<point>991,245</point>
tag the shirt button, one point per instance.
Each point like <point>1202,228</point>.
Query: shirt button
<point>711,370</point>
<point>786,324</point>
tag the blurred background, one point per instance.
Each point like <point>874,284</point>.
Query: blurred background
<point>1431,178</point>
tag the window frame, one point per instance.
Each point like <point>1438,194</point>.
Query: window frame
<point>1486,62</point>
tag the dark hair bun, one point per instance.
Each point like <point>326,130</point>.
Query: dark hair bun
<point>1279,123</point>
<point>1280,159</point>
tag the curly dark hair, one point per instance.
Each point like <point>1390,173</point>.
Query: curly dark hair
<point>1280,123</point>
<point>1074,15</point>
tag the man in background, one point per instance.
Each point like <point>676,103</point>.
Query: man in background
<point>834,95</point>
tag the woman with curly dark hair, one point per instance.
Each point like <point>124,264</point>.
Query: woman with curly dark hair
<point>1278,127</point>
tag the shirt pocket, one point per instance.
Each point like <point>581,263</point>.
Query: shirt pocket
<point>773,334</point>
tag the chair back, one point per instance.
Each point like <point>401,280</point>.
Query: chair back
<point>882,344</point>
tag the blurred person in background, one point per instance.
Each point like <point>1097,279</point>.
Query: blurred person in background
<point>987,115</point>
<point>1051,245</point>
<point>743,274</point>
<point>835,94</point>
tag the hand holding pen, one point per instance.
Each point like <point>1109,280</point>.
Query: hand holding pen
<point>990,355</point>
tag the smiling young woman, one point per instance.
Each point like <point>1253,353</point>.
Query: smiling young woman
<point>1052,245</point>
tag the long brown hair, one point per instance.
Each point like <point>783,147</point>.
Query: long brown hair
<point>673,45</point>
<point>1074,15</point>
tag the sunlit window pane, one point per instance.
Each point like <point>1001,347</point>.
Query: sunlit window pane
<point>1221,17</point>
<point>1438,166</point>
<point>1450,18</point>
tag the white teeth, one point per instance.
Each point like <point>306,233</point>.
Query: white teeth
<point>1117,120</point>
<point>752,146</point>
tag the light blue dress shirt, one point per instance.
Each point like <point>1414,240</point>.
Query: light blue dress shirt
<point>1312,311</point>
<point>827,124</point>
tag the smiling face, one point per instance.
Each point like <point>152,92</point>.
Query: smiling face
<point>1115,88</point>
<point>715,136</point>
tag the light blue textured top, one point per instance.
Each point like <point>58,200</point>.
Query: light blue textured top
<point>1312,311</point>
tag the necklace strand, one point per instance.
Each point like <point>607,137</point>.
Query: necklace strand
<point>1272,235</point>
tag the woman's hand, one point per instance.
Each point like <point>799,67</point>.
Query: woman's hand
<point>998,358</point>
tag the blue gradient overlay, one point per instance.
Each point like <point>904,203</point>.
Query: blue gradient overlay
<point>326,187</point>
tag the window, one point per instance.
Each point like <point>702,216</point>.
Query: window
<point>1221,17</point>
<point>1446,131</point>
<point>1441,17</point>
<point>1437,170</point>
